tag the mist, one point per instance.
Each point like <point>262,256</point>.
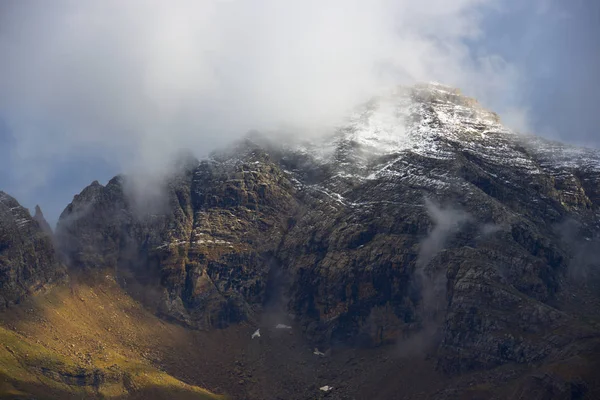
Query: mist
<point>130,83</point>
<point>583,248</point>
<point>447,221</point>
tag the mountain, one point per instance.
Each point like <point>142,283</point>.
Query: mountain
<point>52,323</point>
<point>28,262</point>
<point>425,249</point>
<point>41,220</point>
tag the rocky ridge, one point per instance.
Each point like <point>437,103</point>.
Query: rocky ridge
<point>422,221</point>
<point>28,261</point>
<point>41,220</point>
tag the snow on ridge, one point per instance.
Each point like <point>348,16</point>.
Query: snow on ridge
<point>408,135</point>
<point>21,222</point>
<point>437,122</point>
<point>16,214</point>
<point>382,127</point>
<point>555,155</point>
<point>427,120</point>
<point>415,119</point>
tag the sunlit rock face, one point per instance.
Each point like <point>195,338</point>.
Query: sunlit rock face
<point>28,262</point>
<point>420,220</point>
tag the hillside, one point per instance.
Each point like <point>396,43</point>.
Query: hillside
<point>87,341</point>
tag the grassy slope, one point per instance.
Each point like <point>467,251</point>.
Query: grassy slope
<point>94,340</point>
<point>87,342</point>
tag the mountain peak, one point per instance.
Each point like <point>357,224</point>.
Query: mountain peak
<point>39,217</point>
<point>427,119</point>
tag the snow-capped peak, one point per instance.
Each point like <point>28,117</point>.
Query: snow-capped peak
<point>408,119</point>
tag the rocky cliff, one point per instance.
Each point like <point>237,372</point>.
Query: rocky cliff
<point>422,221</point>
<point>204,246</point>
<point>41,220</point>
<point>27,257</point>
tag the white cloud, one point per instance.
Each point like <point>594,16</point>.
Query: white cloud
<point>132,81</point>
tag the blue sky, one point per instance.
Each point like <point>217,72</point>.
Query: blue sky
<point>557,44</point>
<point>74,109</point>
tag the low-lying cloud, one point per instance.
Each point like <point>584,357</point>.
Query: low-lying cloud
<point>130,82</point>
<point>583,247</point>
<point>447,222</point>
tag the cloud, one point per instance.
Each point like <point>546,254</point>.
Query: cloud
<point>131,82</point>
<point>447,222</point>
<point>583,247</point>
<point>431,282</point>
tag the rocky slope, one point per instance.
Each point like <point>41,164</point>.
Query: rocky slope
<point>28,260</point>
<point>422,222</point>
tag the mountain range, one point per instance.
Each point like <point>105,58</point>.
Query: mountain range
<point>420,250</point>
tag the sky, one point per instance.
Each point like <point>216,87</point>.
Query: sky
<point>92,89</point>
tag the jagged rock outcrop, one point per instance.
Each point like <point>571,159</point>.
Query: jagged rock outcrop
<point>422,220</point>
<point>39,217</point>
<point>205,249</point>
<point>27,258</point>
